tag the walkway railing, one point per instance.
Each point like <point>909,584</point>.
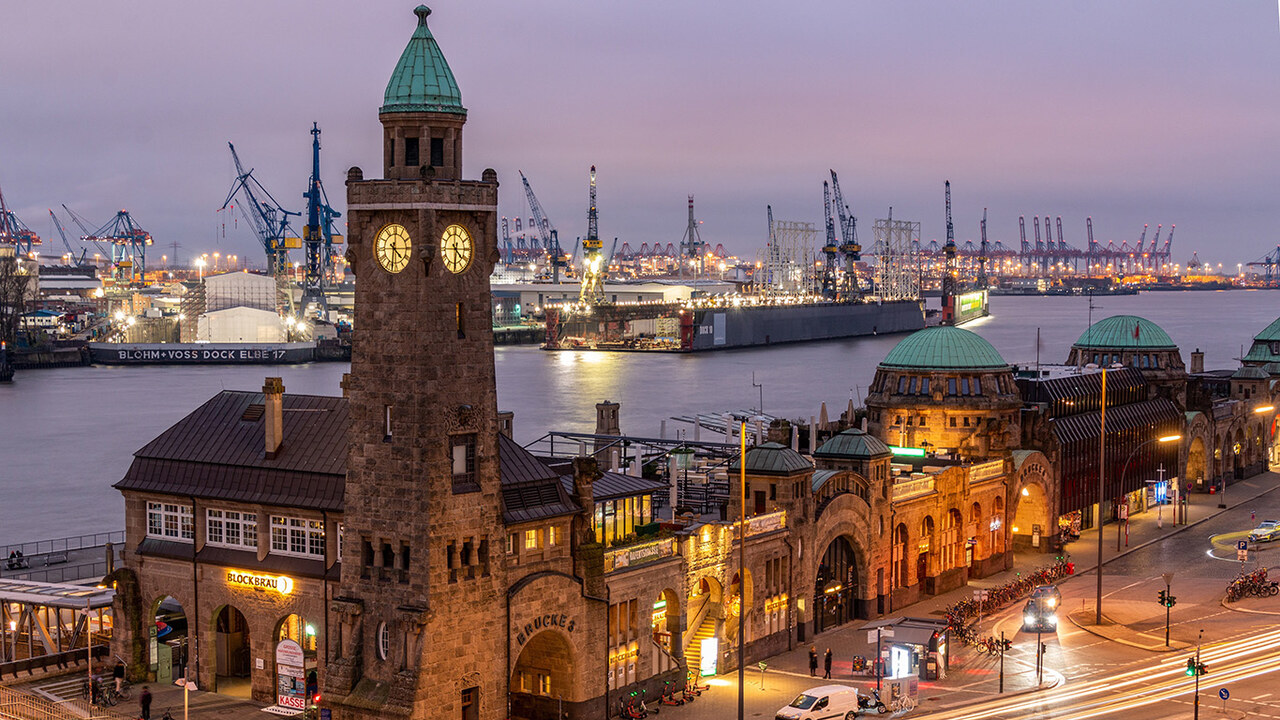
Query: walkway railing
<point>62,545</point>
<point>60,573</point>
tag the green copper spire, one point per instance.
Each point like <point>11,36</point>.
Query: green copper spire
<point>422,81</point>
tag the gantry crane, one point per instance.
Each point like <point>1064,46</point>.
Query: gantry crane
<point>1270,264</point>
<point>950,272</point>
<point>593,271</point>
<point>691,245</point>
<point>14,232</point>
<point>830,249</point>
<point>270,221</point>
<point>62,232</point>
<point>122,241</point>
<point>983,281</point>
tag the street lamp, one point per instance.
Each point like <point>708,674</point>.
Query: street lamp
<point>1125,468</point>
<point>200,263</point>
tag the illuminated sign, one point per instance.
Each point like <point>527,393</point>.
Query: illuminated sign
<point>710,653</point>
<point>907,451</point>
<point>971,302</point>
<point>279,583</point>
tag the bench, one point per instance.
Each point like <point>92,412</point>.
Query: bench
<point>55,559</point>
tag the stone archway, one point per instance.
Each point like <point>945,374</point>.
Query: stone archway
<point>1196,457</point>
<point>1032,523</point>
<point>306,634</point>
<point>231,652</point>
<point>835,585</point>
<point>172,639</point>
<point>543,677</point>
<point>668,635</point>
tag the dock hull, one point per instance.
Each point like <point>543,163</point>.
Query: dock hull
<point>202,353</point>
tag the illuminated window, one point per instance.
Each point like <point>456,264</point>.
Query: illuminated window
<point>553,535</point>
<point>297,537</point>
<point>463,456</point>
<point>532,539</point>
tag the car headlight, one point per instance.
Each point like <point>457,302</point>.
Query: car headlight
<point>1028,619</point>
<point>1051,619</point>
<point>1053,602</point>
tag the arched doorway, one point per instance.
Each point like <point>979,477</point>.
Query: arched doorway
<point>1196,461</point>
<point>834,586</point>
<point>900,567</point>
<point>1237,456</point>
<point>667,636</point>
<point>1031,517</point>
<point>169,646</point>
<point>979,547</point>
<point>925,552</point>
<point>543,677</point>
<point>700,614</point>
<point>231,646</point>
<point>996,525</point>
<point>305,633</point>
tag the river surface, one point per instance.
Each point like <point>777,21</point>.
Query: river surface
<point>67,435</point>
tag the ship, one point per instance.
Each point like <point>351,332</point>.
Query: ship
<point>724,322</point>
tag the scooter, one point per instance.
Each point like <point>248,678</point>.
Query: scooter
<point>868,702</point>
<point>669,696</point>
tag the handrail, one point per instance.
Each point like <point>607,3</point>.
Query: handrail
<point>64,544</point>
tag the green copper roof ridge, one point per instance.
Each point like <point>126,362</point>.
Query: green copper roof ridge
<point>422,80</point>
<point>1117,332</point>
<point>944,347</point>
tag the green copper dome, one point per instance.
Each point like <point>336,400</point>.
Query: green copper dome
<point>422,81</point>
<point>853,443</point>
<point>944,348</point>
<point>1122,332</point>
<point>773,459</point>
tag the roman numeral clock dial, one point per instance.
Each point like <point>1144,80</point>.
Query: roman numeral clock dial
<point>456,248</point>
<point>393,247</point>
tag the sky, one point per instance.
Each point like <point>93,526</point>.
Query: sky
<point>1135,112</point>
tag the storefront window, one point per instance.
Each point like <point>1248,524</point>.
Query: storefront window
<point>646,512</point>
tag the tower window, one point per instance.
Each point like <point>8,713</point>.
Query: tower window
<point>464,464</point>
<point>458,315</point>
<point>471,703</point>
<point>391,150</point>
<point>386,411</point>
<point>384,641</point>
<point>437,152</point>
<point>411,152</point>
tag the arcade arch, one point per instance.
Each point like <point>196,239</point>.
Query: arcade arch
<point>835,585</point>
<point>1031,516</point>
<point>667,633</point>
<point>172,645</point>
<point>231,652</point>
<point>741,600</point>
<point>542,677</point>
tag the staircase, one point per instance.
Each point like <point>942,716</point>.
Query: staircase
<point>693,652</point>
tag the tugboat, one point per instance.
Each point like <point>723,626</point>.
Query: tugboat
<point>6,367</point>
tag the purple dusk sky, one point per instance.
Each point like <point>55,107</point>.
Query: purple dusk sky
<point>1159,111</point>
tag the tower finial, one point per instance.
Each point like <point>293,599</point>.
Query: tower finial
<point>422,11</point>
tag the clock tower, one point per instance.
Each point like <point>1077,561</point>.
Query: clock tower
<point>417,629</point>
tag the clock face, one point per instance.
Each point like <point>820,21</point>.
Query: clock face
<point>393,247</point>
<point>456,248</point>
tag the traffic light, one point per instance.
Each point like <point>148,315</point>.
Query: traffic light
<point>1162,598</point>
<point>1005,645</point>
<point>1191,667</point>
<point>1043,648</point>
<point>1170,601</point>
<point>1202,669</point>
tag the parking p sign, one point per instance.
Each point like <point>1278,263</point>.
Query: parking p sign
<point>1242,545</point>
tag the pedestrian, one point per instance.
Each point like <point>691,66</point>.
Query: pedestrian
<point>1253,515</point>
<point>813,661</point>
<point>118,673</point>
<point>826,665</point>
<point>145,700</point>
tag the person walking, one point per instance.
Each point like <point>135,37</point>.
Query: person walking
<point>813,660</point>
<point>145,700</point>
<point>826,665</point>
<point>118,673</point>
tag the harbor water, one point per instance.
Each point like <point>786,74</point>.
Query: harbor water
<point>69,434</point>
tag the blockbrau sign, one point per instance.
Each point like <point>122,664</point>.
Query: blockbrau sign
<point>280,583</point>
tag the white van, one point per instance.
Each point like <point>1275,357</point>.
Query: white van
<point>829,702</point>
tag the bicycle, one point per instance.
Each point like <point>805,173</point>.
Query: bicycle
<point>903,703</point>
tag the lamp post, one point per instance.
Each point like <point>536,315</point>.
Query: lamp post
<point>1125,468</point>
<point>742,555</point>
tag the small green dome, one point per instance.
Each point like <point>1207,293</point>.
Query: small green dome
<point>1125,332</point>
<point>422,81</point>
<point>773,459</point>
<point>853,443</point>
<point>944,347</point>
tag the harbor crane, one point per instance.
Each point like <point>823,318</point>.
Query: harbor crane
<point>850,249</point>
<point>691,245</point>
<point>982,253</point>
<point>318,237</point>
<point>62,232</point>
<point>550,238</point>
<point>950,272</point>
<point>593,267</point>
<point>1270,263</point>
<point>830,249</point>
<point>122,241</point>
<point>14,232</point>
<point>270,221</point>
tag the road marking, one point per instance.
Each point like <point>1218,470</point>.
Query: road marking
<point>1259,697</point>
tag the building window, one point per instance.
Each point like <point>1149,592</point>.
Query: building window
<point>951,386</point>
<point>297,537</point>
<point>532,539</point>
<point>554,536</point>
<point>512,541</point>
<point>924,386</point>
<point>921,421</point>
<point>384,641</point>
<point>977,386</point>
<point>911,387</point>
<point>437,152</point>
<point>902,384</point>
<point>464,464</point>
<point>471,703</point>
<point>170,521</point>
<point>228,528</point>
<point>966,421</point>
<point>951,421</point>
<point>411,152</point>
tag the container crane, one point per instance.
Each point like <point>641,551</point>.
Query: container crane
<point>62,232</point>
<point>849,246</point>
<point>592,292</point>
<point>691,245</point>
<point>122,241</point>
<point>1166,253</point>
<point>1270,264</point>
<point>318,237</point>
<point>1092,255</point>
<point>14,232</point>
<point>1022,233</point>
